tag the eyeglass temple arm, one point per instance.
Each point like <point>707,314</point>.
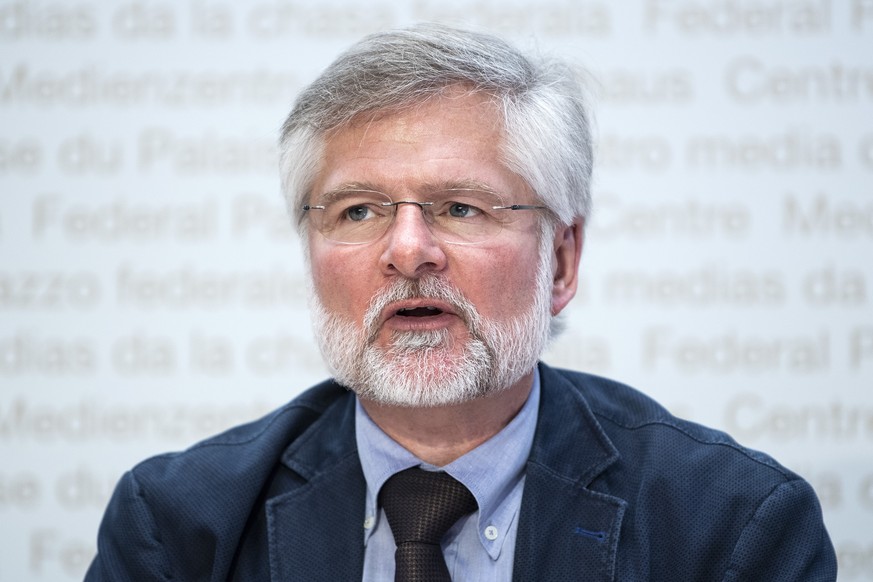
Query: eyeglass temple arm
<point>520,207</point>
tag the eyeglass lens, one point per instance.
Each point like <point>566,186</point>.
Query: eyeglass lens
<point>456,216</point>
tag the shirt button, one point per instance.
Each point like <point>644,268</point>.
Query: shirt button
<point>491,533</point>
<point>368,523</point>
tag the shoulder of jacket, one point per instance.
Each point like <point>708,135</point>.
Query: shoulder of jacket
<point>253,441</point>
<point>622,409</point>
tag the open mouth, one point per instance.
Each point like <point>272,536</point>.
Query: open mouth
<point>425,311</point>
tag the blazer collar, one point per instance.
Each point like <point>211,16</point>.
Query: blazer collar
<point>569,440</point>
<point>315,525</point>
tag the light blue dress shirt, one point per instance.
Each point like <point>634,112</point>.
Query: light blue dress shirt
<point>480,547</point>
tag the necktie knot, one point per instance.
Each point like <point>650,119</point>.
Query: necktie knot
<point>421,506</point>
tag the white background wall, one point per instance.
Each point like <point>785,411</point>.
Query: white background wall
<point>151,292</point>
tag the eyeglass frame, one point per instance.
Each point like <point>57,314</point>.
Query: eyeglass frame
<point>421,205</point>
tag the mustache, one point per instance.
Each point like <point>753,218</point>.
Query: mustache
<point>427,287</point>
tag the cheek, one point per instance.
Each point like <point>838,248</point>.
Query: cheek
<point>508,281</point>
<point>341,281</point>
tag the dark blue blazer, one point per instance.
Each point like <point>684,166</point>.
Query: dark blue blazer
<point>616,489</point>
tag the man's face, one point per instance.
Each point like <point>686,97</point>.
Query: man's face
<point>409,310</point>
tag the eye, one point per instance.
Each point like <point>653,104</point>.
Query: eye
<point>358,213</point>
<point>357,208</point>
<point>461,210</point>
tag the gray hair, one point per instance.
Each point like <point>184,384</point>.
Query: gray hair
<point>547,132</point>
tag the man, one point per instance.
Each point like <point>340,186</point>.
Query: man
<point>440,182</point>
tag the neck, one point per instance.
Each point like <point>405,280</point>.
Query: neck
<point>439,435</point>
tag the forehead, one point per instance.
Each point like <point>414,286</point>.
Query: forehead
<point>454,138</point>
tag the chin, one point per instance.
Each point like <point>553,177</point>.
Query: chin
<point>425,372</point>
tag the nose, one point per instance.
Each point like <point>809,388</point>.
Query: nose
<point>411,249</point>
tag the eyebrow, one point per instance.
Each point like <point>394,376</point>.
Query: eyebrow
<point>459,185</point>
<point>345,189</point>
<point>425,190</point>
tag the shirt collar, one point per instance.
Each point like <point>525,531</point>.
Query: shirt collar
<point>493,471</point>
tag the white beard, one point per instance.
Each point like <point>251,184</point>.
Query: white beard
<point>425,368</point>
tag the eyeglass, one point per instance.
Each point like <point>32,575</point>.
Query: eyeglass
<point>457,215</point>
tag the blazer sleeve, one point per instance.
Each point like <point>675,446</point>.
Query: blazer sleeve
<point>129,546</point>
<point>785,540</point>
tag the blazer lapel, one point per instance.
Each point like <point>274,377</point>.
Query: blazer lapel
<point>567,531</point>
<point>315,527</point>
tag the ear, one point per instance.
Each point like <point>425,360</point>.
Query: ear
<point>568,252</point>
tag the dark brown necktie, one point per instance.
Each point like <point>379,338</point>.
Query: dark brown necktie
<point>421,506</point>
